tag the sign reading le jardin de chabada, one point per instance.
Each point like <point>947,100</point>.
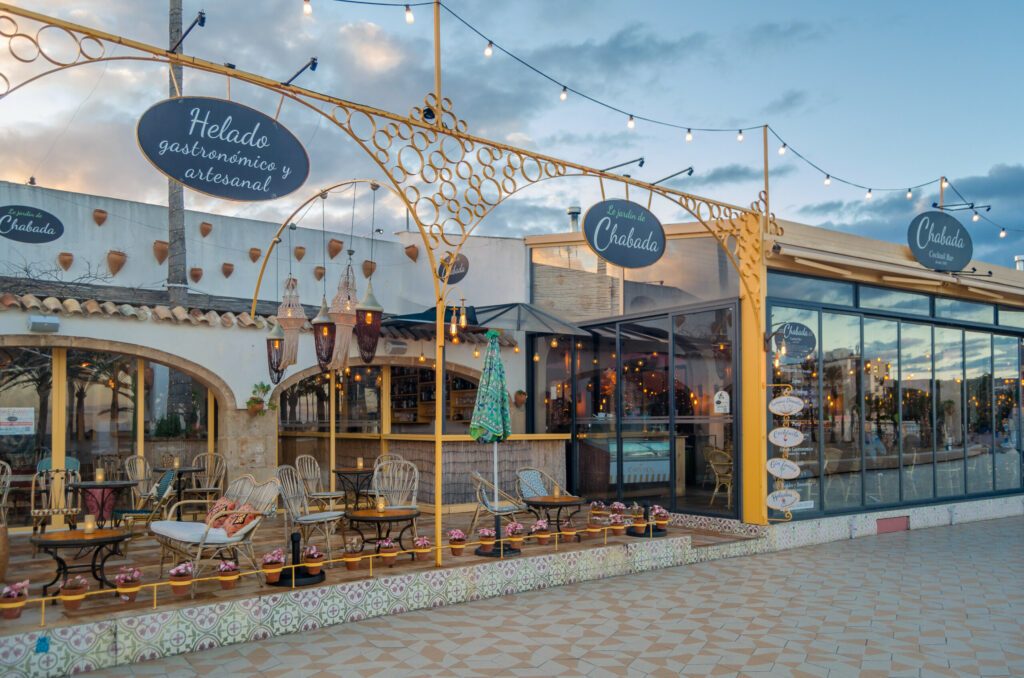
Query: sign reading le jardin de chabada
<point>222,148</point>
<point>453,269</point>
<point>29,224</point>
<point>624,233</point>
<point>939,242</point>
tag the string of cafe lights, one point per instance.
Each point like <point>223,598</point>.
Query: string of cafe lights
<point>564,90</point>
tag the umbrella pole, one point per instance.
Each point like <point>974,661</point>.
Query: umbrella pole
<point>497,516</point>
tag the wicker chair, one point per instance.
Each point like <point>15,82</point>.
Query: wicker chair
<point>309,470</point>
<point>199,543</point>
<point>209,482</point>
<point>533,482</point>
<point>51,496</point>
<point>110,463</point>
<point>148,506</point>
<point>507,507</point>
<point>398,482</point>
<point>5,487</point>
<point>297,513</point>
<point>721,464</point>
<point>138,469</point>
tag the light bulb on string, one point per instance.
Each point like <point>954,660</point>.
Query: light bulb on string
<point>489,50</point>
<point>536,357</point>
<point>409,18</point>
<point>782,149</point>
<point>631,123</point>
<point>828,180</point>
<point>689,135</point>
<point>476,352</point>
<point>867,196</point>
<point>975,217</point>
<point>739,135</point>
<point>515,349</point>
<point>945,182</point>
<point>565,94</point>
<point>1002,232</point>
<point>910,194</point>
<point>422,359</point>
<point>307,7</point>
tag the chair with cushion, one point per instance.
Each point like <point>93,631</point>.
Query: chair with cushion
<point>5,487</point>
<point>532,482</point>
<point>309,470</point>
<point>150,505</point>
<point>226,532</point>
<point>71,464</point>
<point>506,508</point>
<point>51,496</point>
<point>297,513</point>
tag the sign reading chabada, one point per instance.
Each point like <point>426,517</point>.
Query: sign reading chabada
<point>624,233</point>
<point>939,242</point>
<point>29,224</point>
<point>222,148</point>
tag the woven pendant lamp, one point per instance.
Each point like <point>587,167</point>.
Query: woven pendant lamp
<point>291,317</point>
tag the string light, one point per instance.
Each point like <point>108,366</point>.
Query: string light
<point>476,353</point>
<point>489,50</point>
<point>739,135</point>
<point>565,94</point>
<point>945,182</point>
<point>689,135</point>
<point>867,196</point>
<point>975,217</point>
<point>422,358</point>
<point>631,123</point>
<point>1002,232</point>
<point>782,149</point>
<point>910,194</point>
<point>307,7</point>
<point>409,18</point>
<point>828,180</point>
<point>536,357</point>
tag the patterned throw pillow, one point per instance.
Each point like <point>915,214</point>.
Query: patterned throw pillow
<point>219,506</point>
<point>247,514</point>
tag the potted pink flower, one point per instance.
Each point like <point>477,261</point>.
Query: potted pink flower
<point>128,581</point>
<point>597,508</point>
<point>617,523</point>
<point>422,547</point>
<point>72,592</point>
<point>388,550</point>
<point>228,574</point>
<point>487,536</point>
<point>273,563</point>
<point>456,541</point>
<point>13,598</point>
<point>540,531</point>
<point>514,532</point>
<point>313,559</point>
<point>618,508</point>
<point>181,578</point>
<point>352,557</point>
<point>660,517</point>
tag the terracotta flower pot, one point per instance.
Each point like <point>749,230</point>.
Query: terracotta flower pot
<point>115,261</point>
<point>99,216</point>
<point>351,564</point>
<point>254,408</point>
<point>422,554</point>
<point>334,247</point>
<point>313,565</point>
<point>516,541</point>
<point>227,268</point>
<point>228,581</point>
<point>12,607</point>
<point>457,547</point>
<point>65,259</point>
<point>195,274</point>
<point>318,272</point>
<point>618,529</point>
<point>160,250</point>
<point>73,597</point>
<point>412,252</point>
<point>254,254</point>
<point>128,592</point>
<point>299,252</point>
<point>542,538</point>
<point>593,528</point>
<point>568,533</point>
<point>486,545</point>
<point>369,267</point>
<point>661,524</point>
<point>388,555</point>
<point>180,584</point>
<point>639,528</point>
<point>205,228</point>
<point>272,572</point>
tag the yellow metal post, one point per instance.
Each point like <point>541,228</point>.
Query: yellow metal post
<point>211,422</point>
<point>140,407</point>
<point>384,403</point>
<point>437,61</point>
<point>332,386</point>
<point>59,418</point>
<point>438,421</point>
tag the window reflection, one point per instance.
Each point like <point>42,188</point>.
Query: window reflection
<point>881,413</point>
<point>978,378</point>
<point>841,409</point>
<point>916,400</point>
<point>26,385</point>
<point>817,290</point>
<point>949,407</point>
<point>595,416</point>
<point>1007,425</point>
<point>894,301</point>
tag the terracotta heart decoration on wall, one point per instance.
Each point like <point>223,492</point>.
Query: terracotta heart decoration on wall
<point>196,274</point>
<point>205,228</point>
<point>99,216</point>
<point>300,252</point>
<point>227,269</point>
<point>334,247</point>
<point>254,254</point>
<point>412,252</point>
<point>160,248</point>
<point>318,272</point>
<point>115,261</point>
<point>65,259</point>
<point>368,268</point>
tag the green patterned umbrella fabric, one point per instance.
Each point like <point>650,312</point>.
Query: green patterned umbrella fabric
<point>491,422</point>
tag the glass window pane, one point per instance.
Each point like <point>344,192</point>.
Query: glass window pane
<point>893,301</point>
<point>460,399</point>
<point>101,406</point>
<point>818,290</point>
<point>175,410</point>
<point>597,453</point>
<point>414,394</point>
<point>1011,318</point>
<point>881,411</point>
<point>552,397</point>
<point>692,269</point>
<point>571,282</point>
<point>964,310</point>
<point>978,360</point>
<point>705,450</point>
<point>1007,442</point>
<point>797,374</point>
<point>840,372</point>
<point>358,400</point>
<point>25,386</point>
<point>304,405</point>
<point>949,407</point>
<point>916,399</point>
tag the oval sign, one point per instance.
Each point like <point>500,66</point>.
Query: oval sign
<point>781,500</point>
<point>939,242</point>
<point>222,148</point>
<point>798,339</point>
<point>29,224</point>
<point>453,271</point>
<point>785,436</point>
<point>785,406</point>
<point>624,233</point>
<point>786,469</point>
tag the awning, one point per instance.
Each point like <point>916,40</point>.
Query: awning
<point>526,318</point>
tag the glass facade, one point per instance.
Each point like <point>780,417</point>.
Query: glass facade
<point>896,410</point>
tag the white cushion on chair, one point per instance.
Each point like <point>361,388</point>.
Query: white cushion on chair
<point>320,517</point>
<point>192,532</point>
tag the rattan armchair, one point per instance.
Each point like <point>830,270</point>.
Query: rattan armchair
<point>507,506</point>
<point>298,515</point>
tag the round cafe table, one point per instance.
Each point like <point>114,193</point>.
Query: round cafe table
<point>546,504</point>
<point>102,492</point>
<point>383,521</point>
<point>102,543</point>
<point>355,482</point>
<point>179,478</point>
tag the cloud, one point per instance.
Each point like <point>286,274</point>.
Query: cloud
<point>774,35</point>
<point>726,174</point>
<point>787,102</point>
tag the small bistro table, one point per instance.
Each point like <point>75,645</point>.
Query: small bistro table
<point>546,504</point>
<point>102,543</point>
<point>104,490</point>
<point>179,478</point>
<point>383,521</point>
<point>355,481</point>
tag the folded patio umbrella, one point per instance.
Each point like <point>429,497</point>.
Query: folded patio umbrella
<point>491,422</point>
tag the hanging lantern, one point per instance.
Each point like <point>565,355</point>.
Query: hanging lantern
<point>453,329</point>
<point>275,351</point>
<point>291,317</point>
<point>368,317</point>
<point>324,332</point>
<point>343,312</point>
<point>463,319</point>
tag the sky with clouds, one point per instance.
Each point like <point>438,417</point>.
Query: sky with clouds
<point>885,94</point>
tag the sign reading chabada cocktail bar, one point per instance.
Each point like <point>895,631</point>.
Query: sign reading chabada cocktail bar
<point>222,148</point>
<point>939,242</point>
<point>624,233</point>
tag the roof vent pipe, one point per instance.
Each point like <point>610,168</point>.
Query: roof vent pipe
<point>574,219</point>
<point>1019,262</point>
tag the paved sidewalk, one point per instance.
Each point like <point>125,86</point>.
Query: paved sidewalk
<point>944,601</point>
